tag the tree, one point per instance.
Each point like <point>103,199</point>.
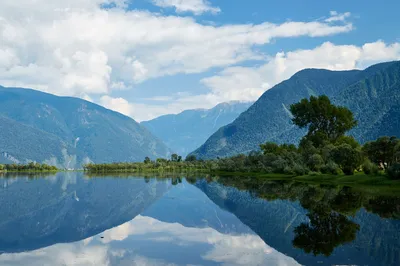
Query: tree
<point>147,160</point>
<point>176,158</point>
<point>315,162</point>
<point>325,121</point>
<point>269,147</point>
<point>383,152</point>
<point>191,158</point>
<point>347,157</point>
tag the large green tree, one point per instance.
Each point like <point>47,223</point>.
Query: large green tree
<point>324,120</point>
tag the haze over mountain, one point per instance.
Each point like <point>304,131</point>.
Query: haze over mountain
<point>68,132</point>
<point>186,131</point>
<point>372,94</point>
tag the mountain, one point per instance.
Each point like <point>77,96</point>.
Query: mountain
<point>372,94</point>
<point>186,131</point>
<point>68,132</point>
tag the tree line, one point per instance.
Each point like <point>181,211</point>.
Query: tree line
<point>326,148</point>
<point>30,167</point>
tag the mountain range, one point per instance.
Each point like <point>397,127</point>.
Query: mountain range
<point>373,95</point>
<point>68,132</point>
<point>186,131</point>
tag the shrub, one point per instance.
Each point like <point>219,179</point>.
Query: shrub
<point>298,169</point>
<point>331,168</point>
<point>394,171</point>
<point>315,162</point>
<point>370,168</point>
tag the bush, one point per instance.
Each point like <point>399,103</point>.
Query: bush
<point>298,169</point>
<point>315,162</point>
<point>331,168</point>
<point>370,168</point>
<point>394,171</point>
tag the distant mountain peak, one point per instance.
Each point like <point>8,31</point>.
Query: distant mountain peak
<point>185,131</point>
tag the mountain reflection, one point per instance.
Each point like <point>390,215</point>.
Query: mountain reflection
<point>70,219</point>
<point>67,207</point>
<point>298,219</point>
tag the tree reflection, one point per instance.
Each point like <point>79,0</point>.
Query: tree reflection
<point>324,233</point>
<point>386,207</point>
<point>330,208</point>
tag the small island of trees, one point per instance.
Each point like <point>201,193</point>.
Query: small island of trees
<point>325,149</point>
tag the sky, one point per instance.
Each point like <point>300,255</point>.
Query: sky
<point>146,58</point>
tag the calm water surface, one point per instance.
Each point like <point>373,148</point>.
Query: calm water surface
<point>70,219</point>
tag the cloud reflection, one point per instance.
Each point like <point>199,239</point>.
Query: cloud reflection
<point>123,245</point>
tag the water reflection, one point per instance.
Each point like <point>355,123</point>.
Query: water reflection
<point>69,219</point>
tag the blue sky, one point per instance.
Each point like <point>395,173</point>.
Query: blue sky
<point>146,58</point>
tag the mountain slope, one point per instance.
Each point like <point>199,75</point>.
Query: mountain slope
<point>69,131</point>
<point>188,130</point>
<point>269,118</point>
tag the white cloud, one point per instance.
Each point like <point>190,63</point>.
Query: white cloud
<point>238,83</point>
<point>196,7</point>
<point>117,104</point>
<point>76,48</point>
<point>335,16</point>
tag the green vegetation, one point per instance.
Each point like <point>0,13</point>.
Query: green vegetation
<point>31,167</point>
<point>324,150</point>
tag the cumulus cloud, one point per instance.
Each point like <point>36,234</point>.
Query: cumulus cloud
<point>79,48</point>
<point>196,7</point>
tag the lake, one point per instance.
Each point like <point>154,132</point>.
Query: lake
<point>71,219</point>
